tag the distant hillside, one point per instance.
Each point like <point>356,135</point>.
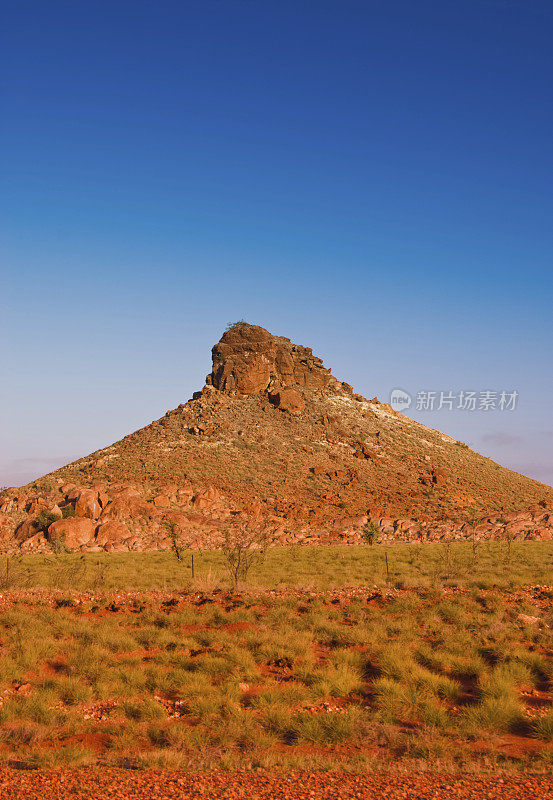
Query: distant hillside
<point>274,438</point>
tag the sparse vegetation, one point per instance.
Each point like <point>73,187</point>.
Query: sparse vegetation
<point>243,547</point>
<point>58,545</point>
<point>277,678</point>
<point>238,324</point>
<point>45,519</point>
<point>178,544</point>
<point>371,532</point>
<point>416,565</point>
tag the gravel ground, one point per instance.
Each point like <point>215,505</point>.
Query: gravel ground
<point>150,785</point>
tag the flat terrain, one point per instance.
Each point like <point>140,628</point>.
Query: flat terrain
<point>116,784</point>
<point>486,565</point>
<point>445,662</point>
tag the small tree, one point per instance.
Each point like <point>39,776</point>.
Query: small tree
<point>238,324</point>
<point>472,519</point>
<point>371,532</point>
<point>243,547</point>
<point>175,535</point>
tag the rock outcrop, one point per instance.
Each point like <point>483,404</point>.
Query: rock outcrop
<point>274,439</point>
<point>288,399</point>
<point>198,521</point>
<point>249,360</point>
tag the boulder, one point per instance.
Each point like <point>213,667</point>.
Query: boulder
<point>87,504</point>
<point>29,527</point>
<point>288,399</point>
<point>36,505</point>
<point>73,532</point>
<point>208,500</point>
<point>518,516</point>
<point>36,544</point>
<point>516,528</point>
<point>254,509</point>
<point>162,501</point>
<point>111,532</point>
<point>184,495</point>
<point>439,477</point>
<point>6,527</point>
<point>126,503</point>
<point>116,547</point>
<point>362,450</point>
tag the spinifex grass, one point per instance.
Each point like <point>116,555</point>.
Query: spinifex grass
<point>297,680</point>
<point>409,565</point>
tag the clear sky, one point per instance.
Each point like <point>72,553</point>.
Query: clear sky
<point>372,179</point>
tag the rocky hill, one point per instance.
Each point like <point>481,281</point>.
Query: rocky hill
<point>273,439</point>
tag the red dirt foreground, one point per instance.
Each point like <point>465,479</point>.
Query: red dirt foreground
<point>54,785</point>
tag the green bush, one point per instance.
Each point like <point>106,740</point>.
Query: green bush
<point>45,519</point>
<point>238,324</point>
<point>543,727</point>
<point>139,710</point>
<point>371,532</point>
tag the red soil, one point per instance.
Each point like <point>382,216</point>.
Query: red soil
<point>119,784</point>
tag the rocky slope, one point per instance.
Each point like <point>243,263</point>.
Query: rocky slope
<point>273,439</point>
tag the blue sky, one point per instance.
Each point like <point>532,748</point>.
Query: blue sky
<point>372,179</point>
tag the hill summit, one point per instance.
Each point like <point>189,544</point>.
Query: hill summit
<point>274,439</point>
<point>249,360</point>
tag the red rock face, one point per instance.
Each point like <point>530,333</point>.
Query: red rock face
<point>288,399</point>
<point>74,533</point>
<point>439,477</point>
<point>26,529</point>
<point>87,504</point>
<point>110,532</point>
<point>249,360</point>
